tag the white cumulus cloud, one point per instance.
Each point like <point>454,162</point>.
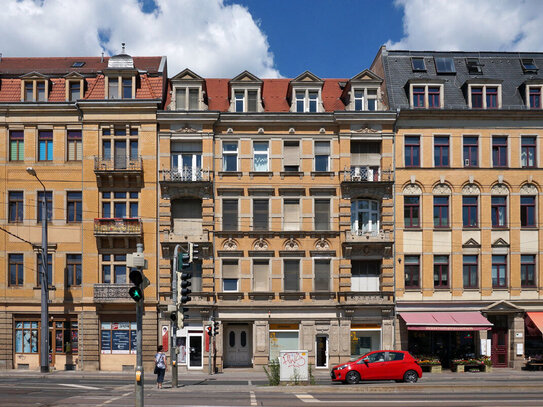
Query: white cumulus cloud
<point>471,25</point>
<point>207,36</point>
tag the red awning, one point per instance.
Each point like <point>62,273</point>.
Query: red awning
<point>537,319</point>
<point>445,321</point>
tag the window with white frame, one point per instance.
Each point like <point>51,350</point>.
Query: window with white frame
<point>322,156</point>
<point>426,96</point>
<point>306,100</point>
<point>261,270</point>
<point>187,98</point>
<point>365,99</point>
<point>245,100</point>
<point>484,96</point>
<point>230,275</point>
<point>229,156</point>
<point>364,216</point>
<point>187,159</point>
<point>119,87</point>
<point>260,156</point>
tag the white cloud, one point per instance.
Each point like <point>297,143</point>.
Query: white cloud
<point>471,25</point>
<point>212,39</point>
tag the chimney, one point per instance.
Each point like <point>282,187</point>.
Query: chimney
<point>123,44</point>
<point>0,57</point>
<point>102,59</point>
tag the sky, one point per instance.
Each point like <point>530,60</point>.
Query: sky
<point>269,38</point>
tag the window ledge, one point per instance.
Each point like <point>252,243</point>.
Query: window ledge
<point>230,296</point>
<point>443,229</point>
<point>51,288</point>
<point>230,173</point>
<point>261,173</point>
<point>471,228</point>
<point>322,295</point>
<point>412,229</point>
<point>292,295</point>
<point>322,173</point>
<point>262,295</point>
<point>499,228</point>
<point>292,174</point>
<point>528,228</point>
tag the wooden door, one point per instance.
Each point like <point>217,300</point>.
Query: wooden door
<point>499,347</point>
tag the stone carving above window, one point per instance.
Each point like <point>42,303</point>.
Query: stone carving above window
<point>322,244</point>
<point>442,189</point>
<point>471,189</point>
<point>412,189</point>
<point>500,189</point>
<point>528,189</point>
<point>260,244</point>
<point>291,244</point>
<point>230,244</point>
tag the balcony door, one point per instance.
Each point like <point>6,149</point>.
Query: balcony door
<point>365,216</point>
<point>365,275</point>
<point>120,154</point>
<point>187,160</point>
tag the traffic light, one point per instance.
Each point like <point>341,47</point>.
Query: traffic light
<point>136,291</point>
<point>183,261</point>
<point>194,253</point>
<point>173,316</point>
<point>209,331</point>
<point>182,317</point>
<point>215,328</point>
<point>184,293</point>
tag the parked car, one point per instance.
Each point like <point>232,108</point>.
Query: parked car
<point>379,365</point>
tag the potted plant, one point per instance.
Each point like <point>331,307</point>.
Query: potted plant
<point>458,365</point>
<point>429,364</point>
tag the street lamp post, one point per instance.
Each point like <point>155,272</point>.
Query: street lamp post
<point>44,332</point>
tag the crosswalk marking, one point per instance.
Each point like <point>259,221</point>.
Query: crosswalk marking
<point>79,386</point>
<point>253,399</point>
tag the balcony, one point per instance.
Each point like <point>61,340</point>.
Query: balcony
<point>112,171</point>
<point>371,181</point>
<point>368,235</point>
<point>366,297</point>
<point>121,227</point>
<point>186,181</point>
<point>107,293</point>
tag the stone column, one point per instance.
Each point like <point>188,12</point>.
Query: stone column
<point>516,338</point>
<point>261,347</point>
<point>89,340</point>
<point>6,341</point>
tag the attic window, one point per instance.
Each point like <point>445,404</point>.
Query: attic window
<point>78,64</point>
<point>474,66</point>
<point>529,66</point>
<point>444,65</point>
<point>418,65</point>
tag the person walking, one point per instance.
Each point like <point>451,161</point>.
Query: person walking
<point>160,366</point>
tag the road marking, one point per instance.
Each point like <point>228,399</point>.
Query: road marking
<point>308,398</point>
<point>250,383</point>
<point>79,386</point>
<point>113,399</point>
<point>253,399</point>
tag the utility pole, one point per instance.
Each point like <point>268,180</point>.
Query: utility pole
<point>210,339</point>
<point>44,331</point>
<point>173,342</point>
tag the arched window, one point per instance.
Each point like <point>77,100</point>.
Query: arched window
<point>365,216</point>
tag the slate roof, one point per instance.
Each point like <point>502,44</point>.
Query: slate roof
<point>499,66</point>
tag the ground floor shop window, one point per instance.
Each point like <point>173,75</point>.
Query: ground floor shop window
<point>443,345</point>
<point>283,337</point>
<point>118,338</point>
<point>26,337</point>
<point>66,338</point>
<point>364,340</point>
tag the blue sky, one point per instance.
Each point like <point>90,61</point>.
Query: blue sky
<point>269,38</point>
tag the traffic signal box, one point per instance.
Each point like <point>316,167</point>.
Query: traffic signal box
<point>136,291</point>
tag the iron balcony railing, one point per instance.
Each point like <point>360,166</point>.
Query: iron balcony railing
<point>118,163</point>
<point>363,173</point>
<point>185,174</point>
<point>117,226</point>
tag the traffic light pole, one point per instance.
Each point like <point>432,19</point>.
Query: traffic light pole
<point>173,341</point>
<point>139,344</point>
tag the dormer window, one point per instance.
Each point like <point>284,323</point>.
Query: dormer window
<point>113,88</point>
<point>474,66</point>
<point>188,91</point>
<point>127,88</point>
<point>186,98</point>
<point>305,93</point>
<point>121,87</point>
<point>365,99</point>
<point>533,96</point>
<point>484,96</point>
<point>307,100</point>
<point>29,91</point>
<point>426,96</point>
<point>528,65</point>
<point>34,88</point>
<point>74,91</point>
<point>246,100</point>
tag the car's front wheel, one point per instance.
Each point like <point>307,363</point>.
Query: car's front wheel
<point>410,376</point>
<point>352,377</point>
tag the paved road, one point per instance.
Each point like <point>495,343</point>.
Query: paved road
<point>103,390</point>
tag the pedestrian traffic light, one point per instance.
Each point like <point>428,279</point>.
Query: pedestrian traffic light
<point>194,253</point>
<point>184,293</point>
<point>183,261</point>
<point>215,328</point>
<point>209,331</point>
<point>173,316</point>
<point>182,317</point>
<point>136,291</point>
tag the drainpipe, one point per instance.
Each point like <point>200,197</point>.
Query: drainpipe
<point>394,130</point>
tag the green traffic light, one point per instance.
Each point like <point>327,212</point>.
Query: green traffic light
<point>135,293</point>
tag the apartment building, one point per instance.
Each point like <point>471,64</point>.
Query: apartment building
<point>87,126</point>
<point>286,186</point>
<point>468,202</point>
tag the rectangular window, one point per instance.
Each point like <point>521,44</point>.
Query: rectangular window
<point>313,97</point>
<point>180,94</point>
<point>239,97</point>
<point>499,211</point>
<point>322,156</point>
<point>29,91</point>
<point>411,212</point>
<point>127,88</point>
<point>229,156</point>
<point>528,152</point>
<point>45,145</point>
<point>412,151</point>
<point>74,91</point>
<point>118,337</point>
<point>445,65</point>
<point>365,275</point>
<point>49,203</point>
<point>49,269</point>
<point>412,271</point>
<point>527,211</point>
<point>477,97</point>
<point>16,269</point>
<point>230,214</point>
<point>251,100</point>
<point>469,271</point>
<point>499,271</point>
<point>114,270</point>
<point>491,97</point>
<point>291,156</point>
<point>26,337</point>
<point>322,214</point>
<point>16,145</point>
<point>120,204</point>
<point>527,270</point>
<point>75,145</point>
<point>40,90</point>
<point>418,96</point>
<point>469,211</point>
<point>441,271</point>
<point>371,97</point>
<point>433,96</point>
<point>193,98</point>
<point>113,88</point>
<point>261,269</point>
<point>291,275</point>
<point>535,98</point>
<point>358,100</point>
<point>441,211</point>
<point>74,269</point>
<point>291,219</point>
<point>441,151</point>
<point>261,214</point>
<point>260,156</point>
<point>322,275</point>
<point>471,151</point>
<point>16,206</point>
<point>300,99</point>
<point>499,151</point>
<point>418,64</point>
<point>74,206</point>
<point>230,275</point>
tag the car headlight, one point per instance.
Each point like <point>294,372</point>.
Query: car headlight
<point>342,367</point>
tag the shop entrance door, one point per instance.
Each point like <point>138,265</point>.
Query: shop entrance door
<point>237,346</point>
<point>195,360</point>
<point>322,351</point>
<point>499,347</point>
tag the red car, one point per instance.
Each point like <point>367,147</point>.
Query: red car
<point>379,365</point>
